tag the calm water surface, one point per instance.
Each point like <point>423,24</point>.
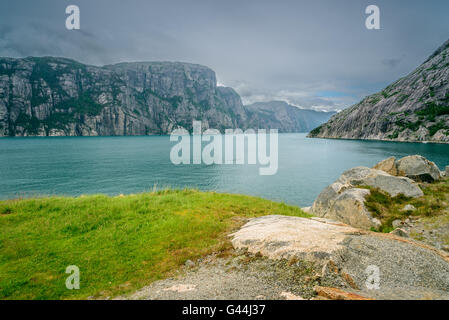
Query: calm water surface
<point>114,165</point>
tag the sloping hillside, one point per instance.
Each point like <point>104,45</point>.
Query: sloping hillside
<point>414,108</point>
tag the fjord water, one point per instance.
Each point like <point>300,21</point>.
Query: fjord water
<point>39,166</point>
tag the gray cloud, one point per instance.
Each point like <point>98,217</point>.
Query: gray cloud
<point>314,54</point>
<point>391,63</point>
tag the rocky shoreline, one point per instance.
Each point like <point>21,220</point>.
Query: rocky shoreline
<point>339,254</point>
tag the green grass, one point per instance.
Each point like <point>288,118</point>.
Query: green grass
<point>119,243</point>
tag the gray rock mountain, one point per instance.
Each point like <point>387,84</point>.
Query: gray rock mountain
<point>414,108</point>
<point>57,96</point>
<point>287,118</point>
<point>50,96</point>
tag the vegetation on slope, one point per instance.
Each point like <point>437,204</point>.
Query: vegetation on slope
<point>434,203</point>
<point>119,243</point>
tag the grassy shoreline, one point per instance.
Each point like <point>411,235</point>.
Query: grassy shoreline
<point>120,244</point>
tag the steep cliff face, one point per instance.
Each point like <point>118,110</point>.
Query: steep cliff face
<point>57,96</point>
<point>284,117</point>
<point>414,108</point>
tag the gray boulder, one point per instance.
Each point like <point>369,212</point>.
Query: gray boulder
<point>418,168</point>
<point>396,223</point>
<point>388,165</point>
<point>349,207</point>
<point>363,176</point>
<point>408,207</point>
<point>400,232</point>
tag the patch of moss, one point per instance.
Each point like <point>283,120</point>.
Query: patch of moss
<point>374,100</point>
<point>316,131</point>
<point>437,127</point>
<point>432,110</point>
<point>403,97</point>
<point>7,71</point>
<point>394,135</point>
<point>58,120</point>
<point>84,104</point>
<point>43,70</point>
<point>30,125</point>
<point>387,95</point>
<point>404,124</point>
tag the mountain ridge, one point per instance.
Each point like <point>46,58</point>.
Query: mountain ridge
<point>56,96</point>
<point>415,108</point>
<point>275,114</point>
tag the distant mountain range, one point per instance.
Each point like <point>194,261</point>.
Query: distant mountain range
<point>50,96</point>
<point>288,118</point>
<point>414,108</point>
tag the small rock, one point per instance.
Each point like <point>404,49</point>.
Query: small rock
<point>290,296</point>
<point>400,232</point>
<point>376,222</point>
<point>396,223</point>
<point>189,263</point>
<point>409,207</point>
<point>306,209</point>
<point>181,288</point>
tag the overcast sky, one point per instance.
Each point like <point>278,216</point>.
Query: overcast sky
<point>313,54</point>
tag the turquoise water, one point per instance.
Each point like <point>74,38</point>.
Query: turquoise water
<point>113,165</point>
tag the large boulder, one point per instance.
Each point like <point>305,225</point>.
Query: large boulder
<point>350,257</point>
<point>349,207</point>
<point>363,176</point>
<point>418,168</point>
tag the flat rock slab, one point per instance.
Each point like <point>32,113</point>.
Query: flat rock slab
<point>282,237</point>
<point>350,257</point>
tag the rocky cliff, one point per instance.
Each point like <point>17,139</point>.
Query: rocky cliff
<point>414,108</point>
<point>287,118</point>
<point>57,96</point>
